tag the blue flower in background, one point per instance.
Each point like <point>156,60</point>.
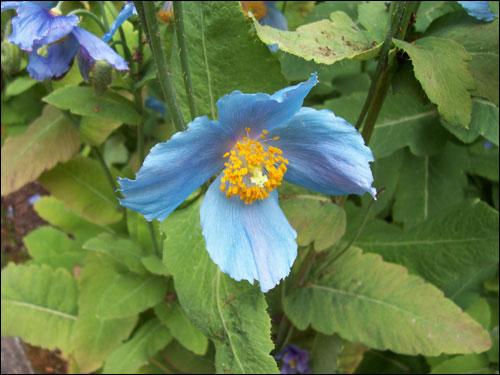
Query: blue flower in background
<point>267,14</point>
<point>127,11</point>
<point>258,140</point>
<point>54,40</point>
<point>295,360</point>
<point>478,9</point>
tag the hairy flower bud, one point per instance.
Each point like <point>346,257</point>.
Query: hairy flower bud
<point>11,58</point>
<point>101,77</point>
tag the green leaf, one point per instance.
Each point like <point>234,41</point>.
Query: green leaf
<point>431,10</point>
<point>466,364</point>
<point>480,39</point>
<point>190,336</point>
<point>23,108</point>
<point>456,250</point>
<point>484,122</point>
<point>351,356</point>
<point>324,354</point>
<point>47,245</point>
<point>323,10</point>
<point>20,85</point>
<point>441,68</point>
<point>155,265</point>
<point>146,342</point>
<point>403,121</point>
<point>94,339</point>
<point>325,41</point>
<point>82,186</point>
<point>121,250</point>
<point>377,303</point>
<point>315,218</point>
<point>483,161</point>
<point>138,229</point>
<point>232,314</point>
<point>373,16</point>
<point>129,294</point>
<point>297,12</point>
<point>56,213</point>
<point>480,311</point>
<point>220,41</point>
<point>95,131</point>
<point>429,185</point>
<point>50,139</point>
<point>39,305</point>
<point>115,151</point>
<point>83,101</point>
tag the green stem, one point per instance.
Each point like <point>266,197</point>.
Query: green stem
<point>148,19</point>
<point>103,13</point>
<point>181,41</point>
<point>83,12</point>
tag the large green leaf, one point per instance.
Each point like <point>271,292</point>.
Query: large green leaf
<point>403,121</point>
<point>56,213</point>
<point>50,139</point>
<point>39,305</point>
<point>483,161</point>
<point>431,10</point>
<point>315,218</point>
<point>428,185</point>
<point>94,339</point>
<point>480,39</point>
<point>47,245</point>
<point>20,85</point>
<point>83,101</point>
<point>95,131</point>
<point>373,16</point>
<point>324,354</point>
<point>128,294</point>
<point>377,303</point>
<point>146,342</point>
<point>466,364</point>
<point>325,41</point>
<point>82,186</point>
<point>121,250</point>
<point>219,40</point>
<point>456,250</point>
<point>484,122</point>
<point>441,68</point>
<point>233,315</point>
<point>190,336</point>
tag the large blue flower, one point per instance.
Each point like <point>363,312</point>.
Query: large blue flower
<point>258,140</point>
<point>54,40</point>
<point>478,9</point>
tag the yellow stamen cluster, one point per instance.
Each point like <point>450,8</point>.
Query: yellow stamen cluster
<point>166,13</point>
<point>252,172</point>
<point>258,8</point>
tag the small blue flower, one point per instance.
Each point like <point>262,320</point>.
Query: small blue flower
<point>267,14</point>
<point>478,9</point>
<point>294,359</point>
<point>54,40</point>
<point>127,11</point>
<point>258,140</point>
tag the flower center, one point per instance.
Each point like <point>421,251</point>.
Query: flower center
<point>253,171</point>
<point>166,13</point>
<point>44,50</point>
<point>258,8</point>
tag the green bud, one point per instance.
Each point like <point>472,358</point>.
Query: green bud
<point>11,58</point>
<point>101,77</point>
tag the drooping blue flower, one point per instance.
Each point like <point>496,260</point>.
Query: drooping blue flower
<point>268,15</point>
<point>258,140</point>
<point>294,360</point>
<point>54,40</point>
<point>478,9</point>
<point>127,11</point>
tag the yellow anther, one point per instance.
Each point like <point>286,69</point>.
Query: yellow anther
<point>247,129</point>
<point>262,136</point>
<point>258,8</point>
<point>276,138</point>
<point>264,131</point>
<point>225,155</point>
<point>223,188</point>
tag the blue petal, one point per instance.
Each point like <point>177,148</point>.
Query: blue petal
<point>238,111</point>
<point>36,25</point>
<point>55,64</point>
<point>274,17</point>
<point>6,5</point>
<point>478,9</point>
<point>46,4</point>
<point>98,50</point>
<point>127,11</point>
<point>155,105</point>
<point>85,63</point>
<point>174,169</point>
<point>248,241</point>
<point>326,153</point>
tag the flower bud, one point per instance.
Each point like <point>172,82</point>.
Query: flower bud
<point>11,58</point>
<point>101,77</point>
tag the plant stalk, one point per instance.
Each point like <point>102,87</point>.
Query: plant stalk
<point>183,52</point>
<point>147,14</point>
<point>84,12</point>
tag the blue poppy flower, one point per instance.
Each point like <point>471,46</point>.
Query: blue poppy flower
<point>127,11</point>
<point>478,9</point>
<point>294,359</point>
<point>258,140</point>
<point>54,40</point>
<point>267,14</point>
